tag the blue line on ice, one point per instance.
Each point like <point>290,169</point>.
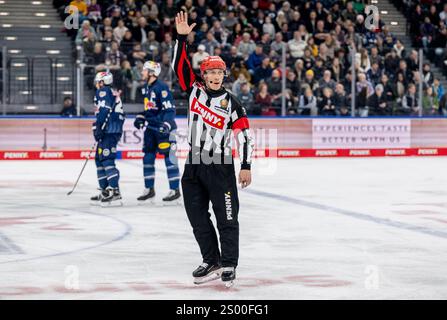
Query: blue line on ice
<point>349,213</point>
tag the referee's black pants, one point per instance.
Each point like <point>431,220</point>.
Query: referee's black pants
<point>217,183</point>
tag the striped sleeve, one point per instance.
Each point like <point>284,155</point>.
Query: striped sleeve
<point>181,64</point>
<point>241,130</point>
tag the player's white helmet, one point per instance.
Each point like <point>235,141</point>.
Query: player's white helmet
<point>153,67</point>
<point>104,76</point>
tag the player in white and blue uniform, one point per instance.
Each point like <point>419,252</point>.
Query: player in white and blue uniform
<point>158,118</point>
<point>107,130</point>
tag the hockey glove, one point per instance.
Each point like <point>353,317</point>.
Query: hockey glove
<point>139,121</point>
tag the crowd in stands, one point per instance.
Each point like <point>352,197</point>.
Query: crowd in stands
<point>427,25</point>
<point>318,38</point>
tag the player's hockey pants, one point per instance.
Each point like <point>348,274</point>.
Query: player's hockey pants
<point>216,183</point>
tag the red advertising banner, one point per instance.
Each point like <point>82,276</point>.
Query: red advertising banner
<point>54,138</point>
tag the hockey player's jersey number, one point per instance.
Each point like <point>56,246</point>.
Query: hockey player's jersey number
<point>167,104</point>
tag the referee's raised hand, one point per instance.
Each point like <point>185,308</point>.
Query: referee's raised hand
<point>181,23</point>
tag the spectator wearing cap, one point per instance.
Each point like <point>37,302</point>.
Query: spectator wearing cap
<point>198,57</point>
<point>310,80</point>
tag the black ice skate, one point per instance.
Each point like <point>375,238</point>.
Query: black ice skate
<point>112,199</point>
<point>206,272</point>
<point>148,194</point>
<point>228,276</point>
<point>172,197</point>
<point>96,200</point>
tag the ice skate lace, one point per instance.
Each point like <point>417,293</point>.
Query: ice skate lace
<point>204,265</point>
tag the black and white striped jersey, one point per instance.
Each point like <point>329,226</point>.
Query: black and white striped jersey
<point>213,117</point>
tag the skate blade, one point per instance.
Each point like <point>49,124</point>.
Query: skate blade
<point>213,276</point>
<point>229,284</point>
<point>177,202</point>
<point>117,203</point>
<point>146,202</point>
<point>95,203</point>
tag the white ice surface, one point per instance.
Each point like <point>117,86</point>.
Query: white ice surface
<point>372,228</point>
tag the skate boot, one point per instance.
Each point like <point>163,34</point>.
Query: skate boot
<point>228,276</point>
<point>206,272</point>
<point>96,200</point>
<point>148,194</point>
<point>172,197</point>
<point>112,199</point>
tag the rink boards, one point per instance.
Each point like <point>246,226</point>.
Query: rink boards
<point>71,138</point>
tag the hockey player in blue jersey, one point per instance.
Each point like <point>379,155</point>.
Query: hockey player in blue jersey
<point>107,130</point>
<point>159,136</point>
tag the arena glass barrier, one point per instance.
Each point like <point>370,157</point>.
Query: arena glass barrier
<point>71,138</point>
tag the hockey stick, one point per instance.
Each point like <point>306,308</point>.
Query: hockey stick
<point>83,167</point>
<point>88,156</point>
